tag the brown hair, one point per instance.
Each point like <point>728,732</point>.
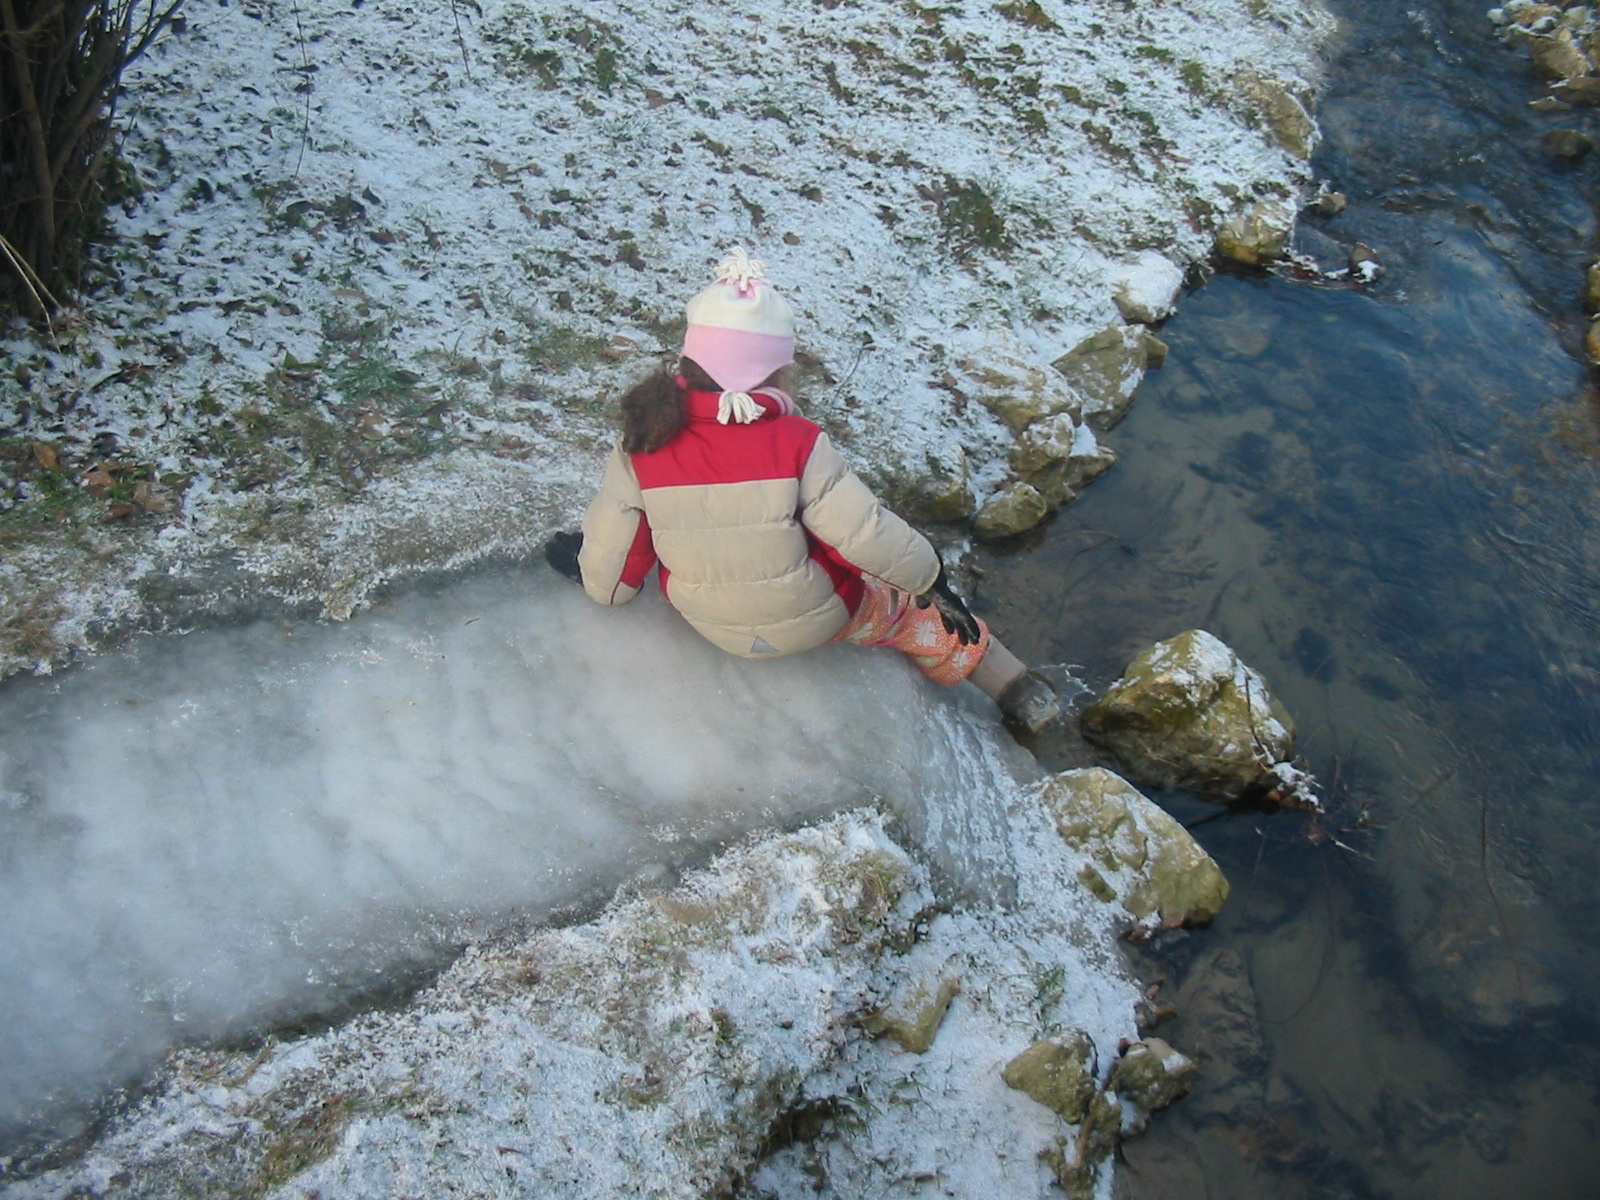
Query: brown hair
<point>655,409</point>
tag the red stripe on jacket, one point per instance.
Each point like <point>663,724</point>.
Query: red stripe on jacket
<point>641,557</point>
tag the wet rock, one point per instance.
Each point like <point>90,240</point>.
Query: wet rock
<point>915,1012</point>
<point>1570,144</point>
<point>1151,1075</point>
<point>1077,1167</point>
<point>1258,235</point>
<point>1145,291</point>
<point>1016,390</point>
<point>1016,508</point>
<point>1189,714</point>
<point>1140,854</point>
<point>1327,203</point>
<point>1105,369</point>
<point>1284,113</point>
<point>1526,15</point>
<point>1585,91</point>
<point>1057,456</point>
<point>1559,56</point>
<point>1363,263</point>
<point>1058,1072</point>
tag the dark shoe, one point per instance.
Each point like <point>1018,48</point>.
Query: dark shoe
<point>1029,702</point>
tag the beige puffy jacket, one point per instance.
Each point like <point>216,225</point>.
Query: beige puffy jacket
<point>761,531</point>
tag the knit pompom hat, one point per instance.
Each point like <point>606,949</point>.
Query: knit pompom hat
<point>740,329</point>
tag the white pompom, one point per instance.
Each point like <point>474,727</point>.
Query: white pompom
<point>739,269</point>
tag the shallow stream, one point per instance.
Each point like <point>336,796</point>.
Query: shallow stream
<point>1386,500</point>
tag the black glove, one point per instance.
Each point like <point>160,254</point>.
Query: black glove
<point>561,552</point>
<point>953,610</point>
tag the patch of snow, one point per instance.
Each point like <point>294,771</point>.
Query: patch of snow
<point>512,203</point>
<point>1152,282</point>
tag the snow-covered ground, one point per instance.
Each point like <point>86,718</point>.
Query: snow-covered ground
<point>392,262</point>
<point>390,265</point>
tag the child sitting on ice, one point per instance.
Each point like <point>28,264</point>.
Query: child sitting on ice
<point>767,542</point>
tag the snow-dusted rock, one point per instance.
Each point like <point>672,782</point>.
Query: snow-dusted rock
<point>1014,388</point>
<point>1139,855</point>
<point>1189,714</point>
<point>1258,235</point>
<point>1146,290</point>
<point>1058,1072</point>
<point>1105,370</point>
<point>1058,456</point>
<point>1150,1075</point>
<point>944,491</point>
<point>1016,508</point>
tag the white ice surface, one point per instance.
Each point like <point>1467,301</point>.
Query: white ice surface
<point>244,825</point>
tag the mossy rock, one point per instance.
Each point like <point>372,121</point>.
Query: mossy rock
<point>1257,236</point>
<point>914,1016</point>
<point>1189,714</point>
<point>1559,56</point>
<point>1106,367</point>
<point>1151,1075</point>
<point>1078,1168</point>
<point>1058,1072</point>
<point>1140,855</point>
<point>1016,508</point>
<point>1291,124</point>
<point>1014,389</point>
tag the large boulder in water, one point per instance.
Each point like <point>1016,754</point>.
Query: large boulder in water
<point>1257,236</point>
<point>1189,714</point>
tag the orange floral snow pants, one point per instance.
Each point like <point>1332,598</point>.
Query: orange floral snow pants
<point>890,617</point>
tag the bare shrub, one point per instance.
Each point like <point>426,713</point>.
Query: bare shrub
<point>61,64</point>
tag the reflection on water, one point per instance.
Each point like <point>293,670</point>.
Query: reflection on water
<point>1387,503</point>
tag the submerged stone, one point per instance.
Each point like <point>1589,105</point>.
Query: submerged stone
<point>1189,714</point>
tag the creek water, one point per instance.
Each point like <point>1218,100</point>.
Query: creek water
<point>1385,499</point>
